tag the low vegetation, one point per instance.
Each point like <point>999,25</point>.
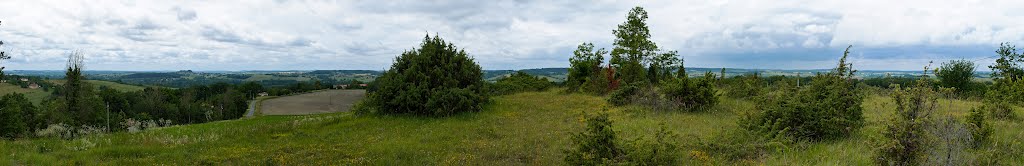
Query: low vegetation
<point>828,108</point>
<point>519,82</point>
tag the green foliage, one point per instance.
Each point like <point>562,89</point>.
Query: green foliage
<point>957,74</point>
<point>1009,65</point>
<point>905,138</point>
<point>599,145</point>
<point>17,115</point>
<point>690,93</point>
<point>623,95</point>
<point>426,80</point>
<point>661,66</point>
<point>596,145</point>
<point>745,87</point>
<point>599,83</point>
<point>828,108</point>
<point>585,65</point>
<point>981,129</point>
<point>661,150</point>
<point>3,56</point>
<point>519,82</point>
<point>632,46</point>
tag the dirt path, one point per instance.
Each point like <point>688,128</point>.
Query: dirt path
<point>313,103</point>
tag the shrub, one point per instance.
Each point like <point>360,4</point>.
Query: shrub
<point>16,115</point>
<point>692,93</point>
<point>602,82</point>
<point>746,87</point>
<point>952,139</point>
<point>623,95</point>
<point>435,79</point>
<point>661,150</point>
<point>519,82</point>
<point>828,108</point>
<point>596,145</point>
<point>981,130</point>
<point>957,74</point>
<point>904,138</point>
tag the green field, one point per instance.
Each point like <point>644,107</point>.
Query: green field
<point>114,85</point>
<point>34,95</point>
<point>521,129</point>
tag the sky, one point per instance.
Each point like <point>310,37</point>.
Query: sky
<point>507,34</point>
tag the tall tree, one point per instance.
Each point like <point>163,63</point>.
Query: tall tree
<point>632,47</point>
<point>3,56</point>
<point>585,63</point>
<point>1009,64</point>
<point>79,98</point>
<point>956,74</point>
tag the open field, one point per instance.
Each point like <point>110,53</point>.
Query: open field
<point>312,103</point>
<point>100,83</point>
<point>530,128</point>
<point>34,95</point>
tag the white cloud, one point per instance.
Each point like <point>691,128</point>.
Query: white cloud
<point>325,34</point>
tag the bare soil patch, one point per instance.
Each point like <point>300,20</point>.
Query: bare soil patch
<point>313,103</point>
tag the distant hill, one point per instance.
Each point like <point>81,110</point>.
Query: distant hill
<point>185,78</point>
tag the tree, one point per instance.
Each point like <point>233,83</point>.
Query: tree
<point>585,64</point>
<point>956,74</point>
<point>436,79</point>
<point>3,56</point>
<point>1009,64</point>
<point>632,47</point>
<point>79,98</point>
<point>662,64</point>
<point>16,115</point>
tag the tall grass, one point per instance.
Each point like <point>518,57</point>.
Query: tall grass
<point>530,128</point>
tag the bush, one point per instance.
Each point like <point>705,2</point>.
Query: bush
<point>904,138</point>
<point>16,115</point>
<point>519,82</point>
<point>952,139</point>
<point>436,79</point>
<point>693,94</point>
<point>957,74</point>
<point>598,145</point>
<point>745,87</point>
<point>981,130</point>
<point>623,95</point>
<point>661,150</point>
<point>828,108</point>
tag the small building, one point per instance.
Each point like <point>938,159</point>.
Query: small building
<point>3,81</point>
<point>261,94</point>
<point>341,86</point>
<point>24,79</point>
<point>33,86</point>
<point>362,85</point>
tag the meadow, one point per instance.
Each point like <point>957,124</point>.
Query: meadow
<point>530,128</point>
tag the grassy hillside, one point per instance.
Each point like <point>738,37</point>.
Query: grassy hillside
<point>99,83</point>
<point>520,129</point>
<point>34,95</point>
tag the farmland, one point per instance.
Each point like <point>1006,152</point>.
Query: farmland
<point>312,103</point>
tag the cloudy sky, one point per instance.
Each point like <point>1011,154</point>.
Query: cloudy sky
<point>313,34</point>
